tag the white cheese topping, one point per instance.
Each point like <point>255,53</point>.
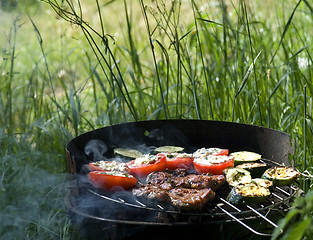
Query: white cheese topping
<point>212,159</point>
<point>111,165</point>
<point>146,159</point>
<point>206,151</point>
<point>178,155</point>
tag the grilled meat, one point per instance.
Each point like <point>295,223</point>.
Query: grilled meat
<point>157,178</point>
<point>190,198</point>
<point>152,192</point>
<point>180,197</point>
<point>195,181</point>
<point>168,180</point>
<point>180,189</point>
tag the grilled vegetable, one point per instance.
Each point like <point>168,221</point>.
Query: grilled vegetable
<point>201,152</point>
<point>168,149</point>
<point>107,166</point>
<point>178,160</point>
<point>256,169</point>
<point>212,164</point>
<point>244,157</point>
<point>263,182</point>
<point>126,152</point>
<point>145,164</point>
<point>235,176</point>
<point>281,175</point>
<point>112,181</point>
<point>248,193</point>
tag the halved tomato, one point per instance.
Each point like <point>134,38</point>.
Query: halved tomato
<point>179,160</point>
<point>112,181</point>
<point>213,164</point>
<point>147,163</point>
<point>107,166</point>
<point>201,152</point>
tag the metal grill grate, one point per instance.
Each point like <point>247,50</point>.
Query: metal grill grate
<point>217,211</point>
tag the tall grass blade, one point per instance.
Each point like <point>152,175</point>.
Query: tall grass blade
<point>278,85</point>
<point>144,13</point>
<point>75,111</point>
<point>204,67</point>
<point>285,30</point>
<point>244,80</point>
<point>40,41</point>
<point>222,25</point>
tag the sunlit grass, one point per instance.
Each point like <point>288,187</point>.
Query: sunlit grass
<point>220,60</point>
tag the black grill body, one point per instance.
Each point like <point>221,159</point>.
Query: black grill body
<point>118,217</point>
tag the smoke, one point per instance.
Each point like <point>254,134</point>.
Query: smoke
<point>32,203</point>
<point>95,149</point>
<point>121,205</point>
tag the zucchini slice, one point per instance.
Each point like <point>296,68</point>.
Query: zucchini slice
<point>248,193</point>
<point>281,175</point>
<point>127,152</point>
<point>235,176</point>
<point>245,156</point>
<point>256,169</point>
<point>263,182</point>
<point>169,149</point>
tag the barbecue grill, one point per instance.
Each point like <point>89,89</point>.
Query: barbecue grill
<point>121,215</point>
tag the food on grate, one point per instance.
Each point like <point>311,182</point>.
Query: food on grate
<point>256,169</point>
<point>191,198</point>
<point>152,192</point>
<point>145,164</point>
<point>199,181</point>
<point>107,166</point>
<point>201,152</point>
<point>263,182</point>
<point>178,160</point>
<point>281,175</point>
<point>112,180</point>
<point>248,193</point>
<point>235,176</point>
<point>127,152</point>
<point>245,156</point>
<point>168,149</point>
<point>180,197</point>
<point>213,164</point>
<point>193,181</point>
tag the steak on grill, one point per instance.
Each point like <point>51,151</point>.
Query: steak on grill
<point>191,198</point>
<point>186,191</point>
<point>152,192</point>
<point>169,180</point>
<point>184,198</point>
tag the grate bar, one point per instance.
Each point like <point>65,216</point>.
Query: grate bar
<point>262,216</point>
<point>280,198</point>
<point>229,204</point>
<point>283,191</point>
<point>242,223</point>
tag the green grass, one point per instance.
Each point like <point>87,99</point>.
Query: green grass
<point>62,75</point>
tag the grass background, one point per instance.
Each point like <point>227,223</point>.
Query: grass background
<point>100,63</point>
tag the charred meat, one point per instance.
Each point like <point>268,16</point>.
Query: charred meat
<point>194,181</point>
<point>186,191</point>
<point>152,192</point>
<point>190,198</point>
<point>183,198</point>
